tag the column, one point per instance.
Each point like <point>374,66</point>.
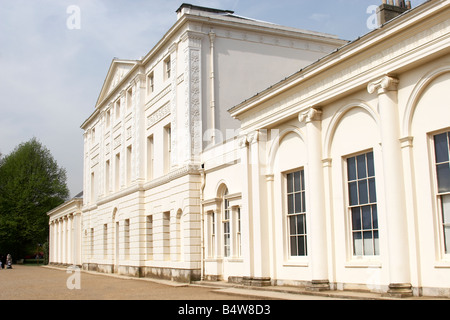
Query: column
<point>78,239</point>
<point>258,213</point>
<point>51,243</point>
<point>270,178</point>
<point>316,203</point>
<point>399,269</point>
<point>70,240</point>
<point>246,220</point>
<point>59,241</point>
<point>64,236</point>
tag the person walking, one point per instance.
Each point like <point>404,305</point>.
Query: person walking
<point>9,261</point>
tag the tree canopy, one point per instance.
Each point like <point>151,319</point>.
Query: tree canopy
<point>31,184</point>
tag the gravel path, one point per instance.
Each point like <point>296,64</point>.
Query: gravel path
<point>42,283</point>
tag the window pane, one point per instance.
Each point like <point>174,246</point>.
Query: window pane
<point>446,208</point>
<point>370,165</point>
<point>443,173</point>
<point>303,202</point>
<point>290,204</point>
<point>298,202</point>
<point>368,243</point>
<point>353,193</point>
<point>301,243</point>
<point>372,191</point>
<point>362,173</point>
<point>376,243</point>
<point>357,244</point>
<point>294,246</point>
<point>366,218</point>
<point>356,219</point>
<point>292,225</point>
<point>447,239</point>
<point>441,148</point>
<point>375,216</point>
<point>351,168</point>
<point>297,181</point>
<point>301,224</point>
<point>302,179</point>
<point>363,192</point>
<point>290,183</point>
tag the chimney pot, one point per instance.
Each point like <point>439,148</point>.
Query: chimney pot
<point>388,11</point>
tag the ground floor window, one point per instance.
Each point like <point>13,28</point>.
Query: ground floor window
<point>226,227</point>
<point>363,205</point>
<point>238,233</point>
<point>442,157</point>
<point>296,213</point>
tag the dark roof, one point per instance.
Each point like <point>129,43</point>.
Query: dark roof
<point>191,6</point>
<point>79,196</point>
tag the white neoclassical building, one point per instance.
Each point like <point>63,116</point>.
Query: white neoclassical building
<point>65,232</point>
<point>336,177</point>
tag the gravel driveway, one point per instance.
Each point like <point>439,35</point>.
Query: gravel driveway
<point>43,283</point>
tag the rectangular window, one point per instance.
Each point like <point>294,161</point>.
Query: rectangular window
<point>107,176</point>
<point>168,67</point>
<point>296,214</point>
<point>108,119</point>
<point>92,242</point>
<point>363,205</point>
<point>126,238</point>
<point>92,187</point>
<point>129,98</point>
<point>442,156</point>
<point>150,83</point>
<point>226,228</point>
<point>166,235</point>
<point>117,109</point>
<point>149,237</point>
<point>105,241</point>
<point>238,232</point>
<point>212,233</point>
<point>150,157</point>
<point>167,148</point>
<point>117,173</point>
<point>129,164</point>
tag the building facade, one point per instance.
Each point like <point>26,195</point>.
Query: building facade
<point>336,177</point>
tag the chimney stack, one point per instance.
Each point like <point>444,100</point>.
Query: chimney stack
<point>388,10</point>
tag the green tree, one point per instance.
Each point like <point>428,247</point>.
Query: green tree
<point>31,184</point>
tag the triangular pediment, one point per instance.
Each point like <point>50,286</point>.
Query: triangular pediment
<point>118,70</point>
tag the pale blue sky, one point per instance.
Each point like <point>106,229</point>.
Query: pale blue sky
<point>50,76</point>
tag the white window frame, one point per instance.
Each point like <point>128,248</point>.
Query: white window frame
<point>168,68</point>
<point>349,207</point>
<point>287,216</point>
<point>150,83</point>
<point>444,252</point>
<point>226,226</point>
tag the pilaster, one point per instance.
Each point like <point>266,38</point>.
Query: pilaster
<point>192,132</point>
<point>246,218</point>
